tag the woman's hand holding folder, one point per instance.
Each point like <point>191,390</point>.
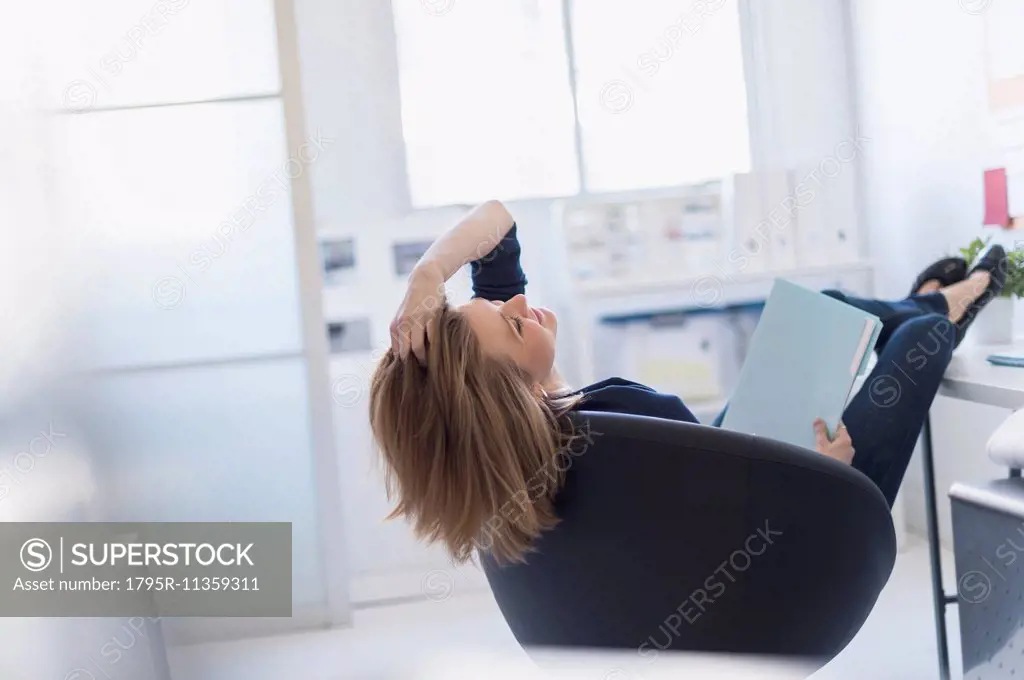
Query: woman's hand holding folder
<point>839,448</point>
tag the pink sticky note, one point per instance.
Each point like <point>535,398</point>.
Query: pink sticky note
<point>997,203</point>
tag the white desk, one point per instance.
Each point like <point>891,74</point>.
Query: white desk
<point>970,377</point>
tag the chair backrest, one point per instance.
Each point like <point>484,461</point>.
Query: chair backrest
<point>687,537</point>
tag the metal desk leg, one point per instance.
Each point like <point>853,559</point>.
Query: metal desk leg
<point>934,550</point>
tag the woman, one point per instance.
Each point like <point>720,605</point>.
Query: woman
<point>470,412</point>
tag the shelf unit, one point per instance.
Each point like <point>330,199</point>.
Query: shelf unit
<point>600,302</point>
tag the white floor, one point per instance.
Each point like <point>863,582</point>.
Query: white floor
<point>898,640</point>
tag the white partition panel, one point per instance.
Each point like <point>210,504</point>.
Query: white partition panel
<point>180,167</point>
<point>181,218</point>
<point>228,443</point>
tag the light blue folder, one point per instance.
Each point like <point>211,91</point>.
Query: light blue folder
<point>804,357</point>
<point>1014,360</point>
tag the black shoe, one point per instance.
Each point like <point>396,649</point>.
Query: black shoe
<point>995,262</point>
<point>946,271</point>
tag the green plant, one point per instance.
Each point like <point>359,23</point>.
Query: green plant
<point>973,249</point>
<point>1015,273</point>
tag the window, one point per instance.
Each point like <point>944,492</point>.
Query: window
<point>662,100</point>
<point>487,106</point>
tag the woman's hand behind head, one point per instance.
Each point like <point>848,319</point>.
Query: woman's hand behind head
<point>411,328</point>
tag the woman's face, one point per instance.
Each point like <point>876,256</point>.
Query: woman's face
<point>516,330</point>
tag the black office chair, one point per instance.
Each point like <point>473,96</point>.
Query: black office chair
<point>676,536</point>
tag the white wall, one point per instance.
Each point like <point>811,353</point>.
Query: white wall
<point>800,88</point>
<point>920,76</point>
<point>350,85</point>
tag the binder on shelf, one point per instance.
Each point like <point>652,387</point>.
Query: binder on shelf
<point>781,217</point>
<point>827,215</point>
<point>842,193</point>
<point>749,249</point>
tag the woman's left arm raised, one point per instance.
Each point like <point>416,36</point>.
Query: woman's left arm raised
<point>470,239</point>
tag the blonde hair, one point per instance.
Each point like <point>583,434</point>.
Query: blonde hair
<point>470,450</point>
